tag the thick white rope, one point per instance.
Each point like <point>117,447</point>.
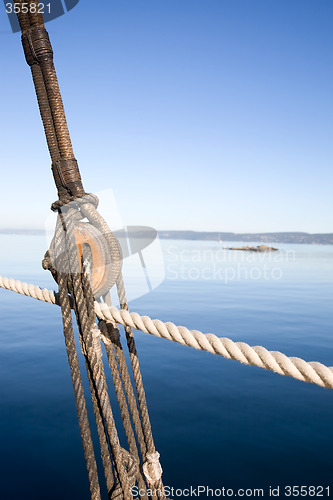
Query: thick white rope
<point>312,371</point>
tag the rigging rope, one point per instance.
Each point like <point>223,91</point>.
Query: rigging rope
<point>275,361</point>
<point>71,271</point>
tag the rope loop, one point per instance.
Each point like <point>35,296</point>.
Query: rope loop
<point>88,198</point>
<point>75,201</point>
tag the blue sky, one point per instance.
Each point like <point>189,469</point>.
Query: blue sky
<point>200,114</point>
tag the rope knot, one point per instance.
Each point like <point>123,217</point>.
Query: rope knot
<point>67,199</point>
<point>152,468</point>
<point>57,205</point>
<point>48,265</point>
<point>131,465</point>
<point>88,198</point>
<point>46,262</point>
<point>132,468</point>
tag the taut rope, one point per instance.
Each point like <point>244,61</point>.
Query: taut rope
<point>276,361</point>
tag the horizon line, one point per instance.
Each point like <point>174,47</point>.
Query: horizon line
<point>41,231</point>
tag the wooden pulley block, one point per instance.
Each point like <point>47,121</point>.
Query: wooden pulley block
<point>92,245</point>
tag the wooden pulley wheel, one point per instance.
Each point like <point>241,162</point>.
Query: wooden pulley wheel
<point>92,245</point>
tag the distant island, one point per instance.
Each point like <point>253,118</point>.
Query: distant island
<point>302,238</point>
<point>261,248</point>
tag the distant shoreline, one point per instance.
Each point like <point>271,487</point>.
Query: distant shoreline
<point>283,237</point>
<point>24,232</point>
<point>279,237</point>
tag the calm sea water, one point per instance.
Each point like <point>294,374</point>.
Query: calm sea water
<point>216,423</point>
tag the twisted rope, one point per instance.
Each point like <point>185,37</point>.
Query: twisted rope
<point>141,396</point>
<point>110,336</point>
<point>104,446</point>
<point>275,361</point>
<point>77,380</point>
<point>84,303</point>
<point>113,336</point>
<point>73,286</point>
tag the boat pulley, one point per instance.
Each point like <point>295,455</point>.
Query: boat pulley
<point>93,247</point>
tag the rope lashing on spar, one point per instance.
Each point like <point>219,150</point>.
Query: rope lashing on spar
<point>275,361</point>
<point>85,260</point>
